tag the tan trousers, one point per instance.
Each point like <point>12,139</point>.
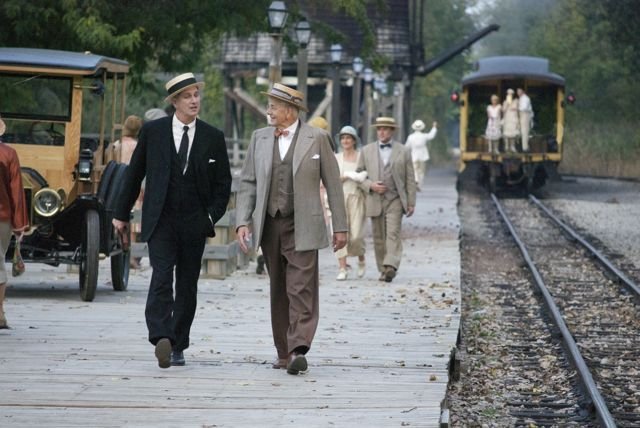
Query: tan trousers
<point>293,278</point>
<point>419,169</point>
<point>387,241</point>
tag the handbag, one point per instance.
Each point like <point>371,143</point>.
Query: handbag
<point>17,268</point>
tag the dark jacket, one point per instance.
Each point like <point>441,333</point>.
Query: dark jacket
<point>152,159</point>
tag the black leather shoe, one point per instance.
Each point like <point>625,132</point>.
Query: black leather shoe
<point>177,358</point>
<point>163,353</point>
<point>297,363</point>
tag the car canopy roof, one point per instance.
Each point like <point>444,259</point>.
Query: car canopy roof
<point>512,67</point>
<point>59,62</point>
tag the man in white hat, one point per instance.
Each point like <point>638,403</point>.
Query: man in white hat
<point>188,183</point>
<point>13,210</point>
<point>391,193</point>
<point>279,209</point>
<point>417,143</point>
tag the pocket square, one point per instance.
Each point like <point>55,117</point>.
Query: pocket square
<point>212,160</point>
<point>316,156</point>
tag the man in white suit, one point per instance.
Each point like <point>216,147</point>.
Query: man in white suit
<point>391,192</point>
<point>279,201</point>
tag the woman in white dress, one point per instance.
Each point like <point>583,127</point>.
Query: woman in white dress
<point>494,124</point>
<point>354,199</point>
<point>511,121</point>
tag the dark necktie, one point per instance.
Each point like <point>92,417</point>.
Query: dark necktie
<point>184,148</point>
<point>385,146</point>
<point>279,132</point>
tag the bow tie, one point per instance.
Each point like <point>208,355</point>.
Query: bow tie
<point>279,132</point>
<point>385,146</point>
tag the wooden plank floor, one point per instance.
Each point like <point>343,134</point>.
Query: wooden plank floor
<point>379,358</point>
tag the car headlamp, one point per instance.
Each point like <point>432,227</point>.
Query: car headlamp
<point>47,202</point>
<point>85,165</point>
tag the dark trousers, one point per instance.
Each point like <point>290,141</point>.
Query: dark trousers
<point>175,243</point>
<point>294,280</point>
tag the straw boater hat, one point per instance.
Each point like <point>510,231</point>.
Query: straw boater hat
<point>3,127</point>
<point>319,122</point>
<point>288,95</point>
<point>180,83</point>
<point>381,121</point>
<point>418,125</point>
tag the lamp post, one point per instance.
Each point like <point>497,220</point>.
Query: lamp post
<point>336,56</point>
<point>358,65</point>
<point>366,120</point>
<point>277,14</point>
<point>303,34</point>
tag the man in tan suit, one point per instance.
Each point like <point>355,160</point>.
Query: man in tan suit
<point>391,192</point>
<point>279,199</point>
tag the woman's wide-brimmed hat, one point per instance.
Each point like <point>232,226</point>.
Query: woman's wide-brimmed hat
<point>180,83</point>
<point>288,95</point>
<point>418,125</point>
<point>383,121</point>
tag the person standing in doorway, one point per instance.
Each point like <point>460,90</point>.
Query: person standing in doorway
<point>417,143</point>
<point>525,111</point>
<point>188,184</point>
<point>510,122</point>
<point>279,209</point>
<point>391,193</point>
<point>14,217</point>
<point>493,132</point>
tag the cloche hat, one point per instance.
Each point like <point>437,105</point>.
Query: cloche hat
<point>288,95</point>
<point>349,130</point>
<point>180,83</point>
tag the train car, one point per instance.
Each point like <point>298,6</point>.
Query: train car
<point>528,169</point>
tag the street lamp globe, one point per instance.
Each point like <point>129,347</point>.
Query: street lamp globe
<point>336,53</point>
<point>358,65</point>
<point>277,14</point>
<point>303,33</point>
<point>367,75</point>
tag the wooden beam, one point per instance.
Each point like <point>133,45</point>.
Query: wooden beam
<point>241,97</point>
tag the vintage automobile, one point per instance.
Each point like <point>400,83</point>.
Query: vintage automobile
<point>58,107</point>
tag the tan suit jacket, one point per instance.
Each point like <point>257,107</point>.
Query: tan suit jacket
<point>401,171</point>
<point>313,160</point>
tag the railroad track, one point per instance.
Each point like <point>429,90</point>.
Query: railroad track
<point>594,308</point>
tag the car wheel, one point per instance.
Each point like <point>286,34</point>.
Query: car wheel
<point>89,255</point>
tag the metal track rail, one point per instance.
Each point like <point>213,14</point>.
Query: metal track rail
<point>602,411</point>
<point>603,259</point>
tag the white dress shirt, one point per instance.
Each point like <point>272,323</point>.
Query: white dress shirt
<point>178,130</point>
<point>385,154</point>
<point>524,103</point>
<point>285,142</point>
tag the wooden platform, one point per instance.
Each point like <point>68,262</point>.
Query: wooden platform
<point>379,358</point>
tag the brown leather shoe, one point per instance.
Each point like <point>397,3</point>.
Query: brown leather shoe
<point>163,353</point>
<point>297,364</point>
<point>279,363</point>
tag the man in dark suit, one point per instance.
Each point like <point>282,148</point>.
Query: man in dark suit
<point>188,183</point>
